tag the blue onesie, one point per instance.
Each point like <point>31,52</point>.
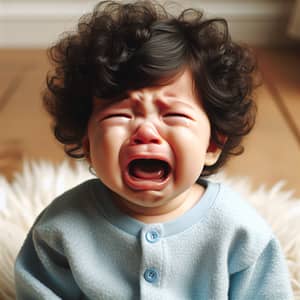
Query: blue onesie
<point>83,247</point>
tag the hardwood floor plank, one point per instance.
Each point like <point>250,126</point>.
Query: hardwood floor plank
<point>271,150</point>
<point>5,81</point>
<point>281,71</point>
<point>25,121</point>
<point>14,64</point>
<point>10,82</point>
<point>12,59</point>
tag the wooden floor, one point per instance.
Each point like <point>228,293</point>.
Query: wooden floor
<point>272,149</point>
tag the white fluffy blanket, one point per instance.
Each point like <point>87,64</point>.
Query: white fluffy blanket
<point>39,182</point>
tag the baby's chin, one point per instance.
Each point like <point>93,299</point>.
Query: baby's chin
<point>145,198</point>
<point>152,198</point>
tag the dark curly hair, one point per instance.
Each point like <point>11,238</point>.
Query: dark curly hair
<point>134,45</point>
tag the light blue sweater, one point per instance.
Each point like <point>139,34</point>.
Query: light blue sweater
<point>83,247</point>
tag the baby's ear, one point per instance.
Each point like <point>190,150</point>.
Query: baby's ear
<point>212,154</point>
<point>213,151</point>
<point>86,148</point>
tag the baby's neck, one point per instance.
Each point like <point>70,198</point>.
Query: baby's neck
<point>191,198</point>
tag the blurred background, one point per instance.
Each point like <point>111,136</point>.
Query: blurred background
<point>271,27</point>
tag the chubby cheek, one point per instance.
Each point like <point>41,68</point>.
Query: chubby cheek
<point>189,148</point>
<point>105,145</point>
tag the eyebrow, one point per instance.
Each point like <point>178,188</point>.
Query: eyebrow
<point>169,103</point>
<point>172,99</point>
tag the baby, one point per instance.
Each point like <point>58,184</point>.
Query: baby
<point>155,103</point>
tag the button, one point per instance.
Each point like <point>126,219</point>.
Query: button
<point>151,275</point>
<point>152,236</point>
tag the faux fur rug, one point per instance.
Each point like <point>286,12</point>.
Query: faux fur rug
<point>40,182</point>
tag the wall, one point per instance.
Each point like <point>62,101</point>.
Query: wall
<point>37,23</point>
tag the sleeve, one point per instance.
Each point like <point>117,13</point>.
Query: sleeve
<point>42,272</point>
<point>266,279</point>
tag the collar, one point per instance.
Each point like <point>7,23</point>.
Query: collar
<point>103,197</point>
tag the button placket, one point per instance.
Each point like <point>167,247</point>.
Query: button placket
<point>152,256</point>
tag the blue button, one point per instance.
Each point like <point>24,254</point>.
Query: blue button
<point>151,275</point>
<point>152,236</point>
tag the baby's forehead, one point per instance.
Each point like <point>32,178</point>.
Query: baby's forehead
<point>180,86</point>
<point>177,95</point>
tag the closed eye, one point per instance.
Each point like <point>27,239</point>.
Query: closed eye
<point>176,115</point>
<point>121,115</point>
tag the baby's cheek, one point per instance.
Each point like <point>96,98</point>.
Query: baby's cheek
<point>181,139</point>
<point>110,138</point>
<point>189,150</point>
<point>103,146</point>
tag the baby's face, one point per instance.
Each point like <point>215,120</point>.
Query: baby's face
<point>150,147</point>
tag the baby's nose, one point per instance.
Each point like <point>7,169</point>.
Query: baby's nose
<point>146,134</point>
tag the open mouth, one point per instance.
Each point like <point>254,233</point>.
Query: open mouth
<point>147,174</point>
<point>149,169</point>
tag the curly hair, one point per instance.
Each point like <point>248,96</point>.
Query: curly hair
<point>134,45</point>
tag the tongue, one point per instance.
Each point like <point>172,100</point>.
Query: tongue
<point>148,169</point>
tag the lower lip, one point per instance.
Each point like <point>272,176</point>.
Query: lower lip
<point>137,184</point>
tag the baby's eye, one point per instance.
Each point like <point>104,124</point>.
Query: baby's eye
<point>117,115</point>
<point>177,119</point>
<point>176,115</point>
